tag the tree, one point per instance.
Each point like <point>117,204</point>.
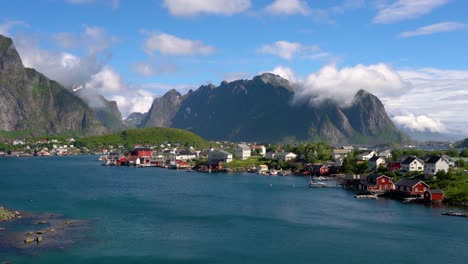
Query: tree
<point>361,167</point>
<point>453,153</point>
<point>346,166</point>
<point>460,163</point>
<point>464,153</point>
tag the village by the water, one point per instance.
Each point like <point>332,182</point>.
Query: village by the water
<point>369,173</point>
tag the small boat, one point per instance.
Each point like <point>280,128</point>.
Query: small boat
<point>190,170</point>
<point>450,213</point>
<point>273,172</point>
<point>317,184</point>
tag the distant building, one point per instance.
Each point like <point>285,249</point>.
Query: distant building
<point>270,155</point>
<point>411,187</point>
<point>394,166</point>
<point>375,182</point>
<point>186,154</point>
<point>367,155</point>
<point>285,156</point>
<point>340,153</point>
<point>319,169</point>
<point>386,154</point>
<point>219,156</point>
<point>435,164</point>
<point>412,164</point>
<point>261,148</point>
<point>434,195</point>
<point>375,162</point>
<point>242,152</point>
<point>262,169</point>
<point>141,152</point>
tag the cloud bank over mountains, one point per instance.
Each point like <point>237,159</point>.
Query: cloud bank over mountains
<point>423,100</point>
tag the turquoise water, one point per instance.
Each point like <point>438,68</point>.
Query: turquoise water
<point>164,216</point>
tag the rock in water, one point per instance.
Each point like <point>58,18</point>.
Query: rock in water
<point>29,240</point>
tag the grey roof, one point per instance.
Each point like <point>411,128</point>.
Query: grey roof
<point>433,159</point>
<point>186,152</point>
<point>408,160</point>
<point>409,182</point>
<point>243,146</point>
<point>435,191</point>
<point>222,151</point>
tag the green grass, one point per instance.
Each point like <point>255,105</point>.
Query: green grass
<point>15,134</point>
<point>244,163</point>
<point>150,136</point>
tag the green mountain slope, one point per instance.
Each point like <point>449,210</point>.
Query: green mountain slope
<point>32,102</point>
<point>152,136</point>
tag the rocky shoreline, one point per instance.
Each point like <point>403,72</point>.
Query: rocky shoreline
<point>28,232</point>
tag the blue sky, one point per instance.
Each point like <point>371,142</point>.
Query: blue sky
<point>405,51</point>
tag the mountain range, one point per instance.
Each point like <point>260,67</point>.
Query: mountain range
<point>263,110</point>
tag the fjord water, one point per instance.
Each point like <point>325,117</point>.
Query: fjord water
<point>165,216</point>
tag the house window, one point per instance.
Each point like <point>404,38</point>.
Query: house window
<point>383,180</point>
<point>416,189</point>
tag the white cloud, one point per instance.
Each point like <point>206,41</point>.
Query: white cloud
<point>107,80</point>
<point>440,94</point>
<point>167,44</point>
<point>284,72</point>
<point>66,40</point>
<point>7,25</point>
<point>434,28</point>
<point>342,84</point>
<point>433,74</point>
<point>97,39</point>
<point>198,7</point>
<point>421,123</point>
<point>288,7</point>
<point>288,50</point>
<point>143,69</point>
<point>406,9</point>
<point>147,69</point>
<point>134,101</point>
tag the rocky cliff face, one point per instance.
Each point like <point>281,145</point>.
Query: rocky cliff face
<point>261,109</point>
<point>30,101</point>
<point>162,110</point>
<point>108,113</point>
<point>134,120</point>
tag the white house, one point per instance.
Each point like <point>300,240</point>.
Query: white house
<point>186,155</point>
<point>340,153</point>
<point>375,162</point>
<point>386,154</point>
<point>367,155</point>
<point>412,164</point>
<point>261,148</point>
<point>261,169</point>
<point>219,155</point>
<point>435,164</point>
<point>242,152</point>
<point>285,156</point>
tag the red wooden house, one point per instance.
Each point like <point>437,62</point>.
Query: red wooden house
<point>394,166</point>
<point>123,161</point>
<point>141,152</point>
<point>411,187</point>
<point>435,195</point>
<point>377,183</point>
<point>319,169</point>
